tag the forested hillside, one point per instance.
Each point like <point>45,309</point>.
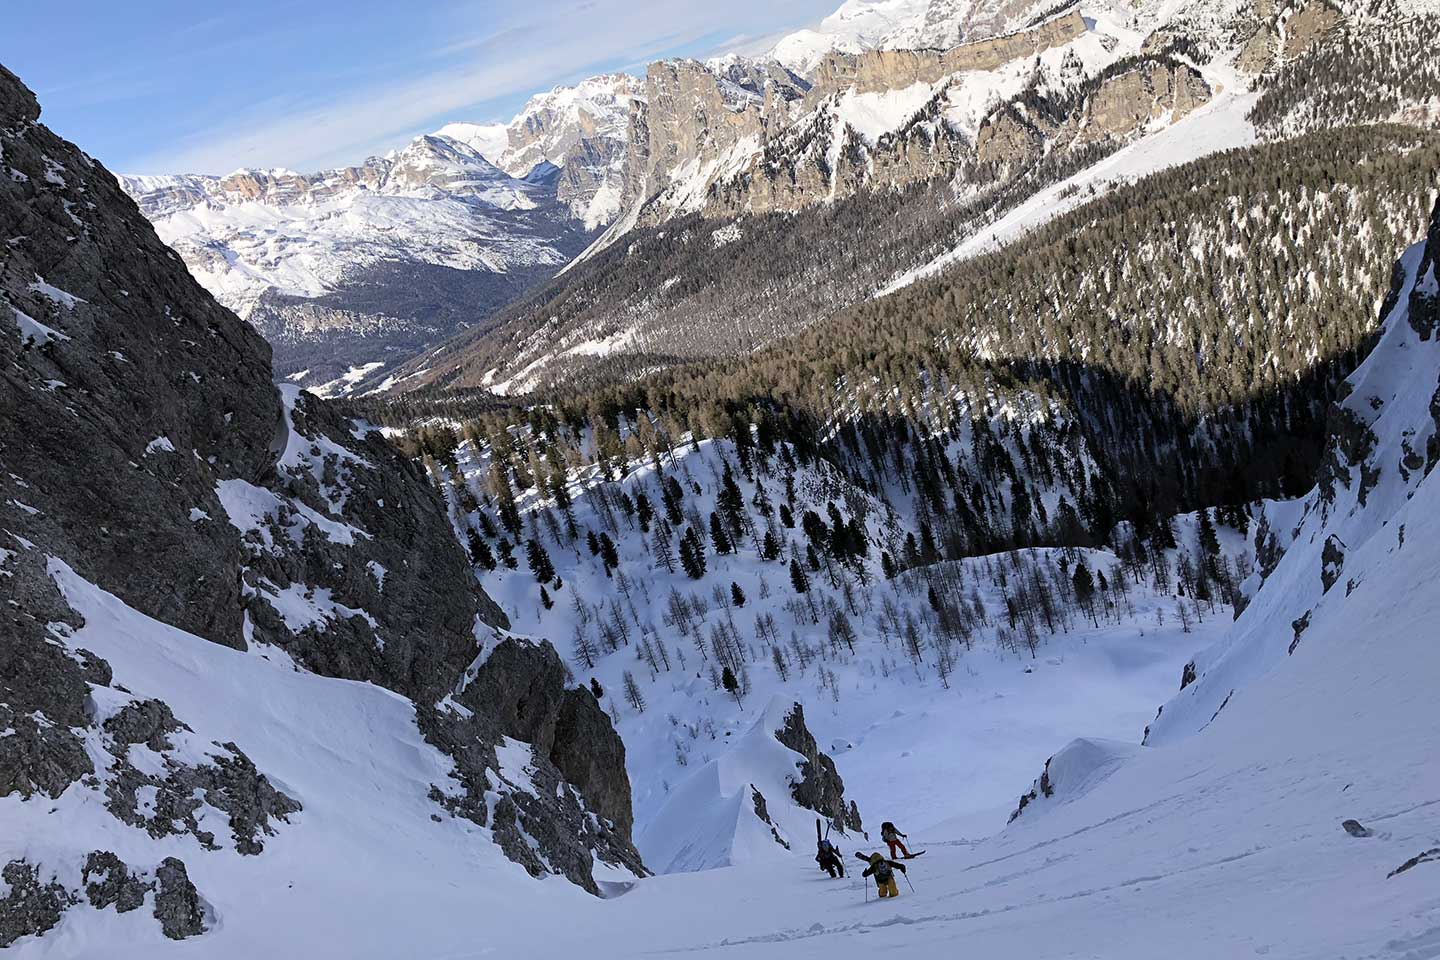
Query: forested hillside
<point>1189,328</point>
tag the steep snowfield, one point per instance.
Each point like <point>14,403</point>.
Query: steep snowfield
<point>361,870</point>
<point>1380,468</point>
<point>1228,844</point>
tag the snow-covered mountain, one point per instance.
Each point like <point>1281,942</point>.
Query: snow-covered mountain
<point>253,696</point>
<point>358,267</point>
<point>582,131</point>
<point>860,25</point>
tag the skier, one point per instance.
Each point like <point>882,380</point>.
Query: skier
<point>883,872</point>
<point>829,859</point>
<point>892,836</point>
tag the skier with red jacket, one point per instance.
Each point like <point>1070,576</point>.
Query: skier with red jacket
<point>892,836</point>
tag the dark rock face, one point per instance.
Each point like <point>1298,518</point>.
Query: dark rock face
<point>819,787</point>
<point>31,907</point>
<point>38,682</point>
<point>1042,788</point>
<point>230,784</point>
<point>146,448</point>
<point>762,811</point>
<point>547,809</point>
<point>134,409</point>
<point>177,902</point>
<point>1332,561</point>
<point>108,882</point>
<point>1425,298</point>
<point>1425,856</point>
<point>1299,626</point>
<point>522,686</point>
<point>591,755</point>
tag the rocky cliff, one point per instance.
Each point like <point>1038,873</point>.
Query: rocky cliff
<point>878,70</point>
<point>148,455</point>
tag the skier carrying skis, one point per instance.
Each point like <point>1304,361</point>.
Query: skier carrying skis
<point>829,859</point>
<point>883,872</point>
<point>892,836</point>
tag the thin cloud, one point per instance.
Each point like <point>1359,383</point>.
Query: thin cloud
<point>458,79</point>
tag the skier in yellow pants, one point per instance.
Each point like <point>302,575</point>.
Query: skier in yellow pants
<point>883,872</point>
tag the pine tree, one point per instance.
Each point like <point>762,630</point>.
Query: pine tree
<point>731,685</point>
<point>480,554</point>
<point>692,554</point>
<point>737,596</point>
<point>798,578</point>
<point>718,537</point>
<point>539,561</point>
<point>769,547</point>
<point>597,690</point>
<point>1209,541</point>
<point>608,554</point>
<point>584,647</point>
<point>545,600</point>
<point>1084,584</point>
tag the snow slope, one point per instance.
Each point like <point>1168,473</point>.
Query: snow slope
<point>363,846</point>
<point>1226,842</point>
<point>911,746</point>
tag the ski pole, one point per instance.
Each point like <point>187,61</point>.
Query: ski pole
<point>907,882</point>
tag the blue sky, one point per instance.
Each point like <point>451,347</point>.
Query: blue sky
<point>169,86</point>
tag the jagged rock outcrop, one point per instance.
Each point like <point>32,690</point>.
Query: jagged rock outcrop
<point>762,811</point>
<point>1286,33</point>
<point>522,686</point>
<point>819,786</point>
<point>583,131</point>
<point>161,463</point>
<point>539,819</point>
<point>1076,770</point>
<point>177,902</point>
<point>32,905</point>
<point>110,883</point>
<point>1127,103</point>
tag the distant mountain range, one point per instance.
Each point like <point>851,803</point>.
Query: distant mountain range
<point>978,119</point>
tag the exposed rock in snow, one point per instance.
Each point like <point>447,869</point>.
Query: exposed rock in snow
<point>208,680</point>
<point>819,786</point>
<point>1074,771</point>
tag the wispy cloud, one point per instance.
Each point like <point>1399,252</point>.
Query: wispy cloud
<point>482,63</point>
